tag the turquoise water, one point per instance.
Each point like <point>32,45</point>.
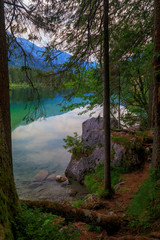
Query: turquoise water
<point>38,145</point>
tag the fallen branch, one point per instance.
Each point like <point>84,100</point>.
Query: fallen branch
<point>110,223</point>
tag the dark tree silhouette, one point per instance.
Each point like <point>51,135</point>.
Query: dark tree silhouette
<point>156,141</point>
<point>9,205</point>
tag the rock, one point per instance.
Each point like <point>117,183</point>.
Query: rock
<point>111,214</point>
<point>72,192</point>
<point>35,185</point>
<point>92,202</point>
<point>128,153</point>
<point>65,184</point>
<point>41,176</point>
<point>77,169</point>
<point>92,130</point>
<point>118,150</point>
<point>61,179</point>
<point>51,177</point>
<point>118,185</point>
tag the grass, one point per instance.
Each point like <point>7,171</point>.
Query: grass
<point>145,206</point>
<point>95,181</point>
<point>36,225</point>
<point>121,140</point>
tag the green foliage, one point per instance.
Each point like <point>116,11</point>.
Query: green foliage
<point>76,146</point>
<point>95,181</point>
<point>121,140</point>
<point>142,133</point>
<point>130,119</point>
<point>86,84</point>
<point>79,203</point>
<point>21,77</point>
<point>35,225</point>
<point>145,206</point>
<point>93,228</point>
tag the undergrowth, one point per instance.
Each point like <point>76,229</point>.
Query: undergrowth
<point>76,146</point>
<point>145,205</point>
<point>95,181</point>
<point>121,140</point>
<point>36,225</point>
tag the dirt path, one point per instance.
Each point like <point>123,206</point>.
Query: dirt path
<point>130,183</point>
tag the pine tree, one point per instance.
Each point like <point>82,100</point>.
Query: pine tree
<point>8,197</point>
<point>156,141</point>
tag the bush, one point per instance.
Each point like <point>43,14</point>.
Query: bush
<point>36,225</point>
<point>76,146</point>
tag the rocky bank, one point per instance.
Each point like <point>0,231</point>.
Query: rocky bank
<point>126,150</point>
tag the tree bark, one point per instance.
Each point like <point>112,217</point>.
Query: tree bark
<point>106,101</point>
<point>110,223</point>
<point>8,197</point>
<point>156,140</point>
<point>119,101</point>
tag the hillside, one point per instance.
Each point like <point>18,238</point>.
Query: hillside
<point>35,56</point>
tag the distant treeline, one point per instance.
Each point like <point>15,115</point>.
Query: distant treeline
<point>20,75</point>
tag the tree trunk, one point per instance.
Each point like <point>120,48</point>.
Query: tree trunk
<point>106,101</point>
<point>8,196</point>
<point>156,140</point>
<point>110,223</point>
<point>119,101</point>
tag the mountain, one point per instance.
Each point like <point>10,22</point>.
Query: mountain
<point>35,56</point>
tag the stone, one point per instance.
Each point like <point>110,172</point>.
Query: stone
<point>111,214</point>
<point>35,185</point>
<point>92,202</point>
<point>51,177</point>
<point>65,184</point>
<point>118,150</point>
<point>128,155</point>
<point>72,192</point>
<point>61,179</point>
<point>77,169</point>
<point>41,176</point>
<point>92,130</point>
<point>118,185</point>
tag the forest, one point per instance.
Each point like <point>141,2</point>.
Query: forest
<point>113,61</point>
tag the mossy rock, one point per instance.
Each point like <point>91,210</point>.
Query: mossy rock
<point>127,153</point>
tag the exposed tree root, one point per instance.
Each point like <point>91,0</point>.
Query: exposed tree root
<point>110,223</point>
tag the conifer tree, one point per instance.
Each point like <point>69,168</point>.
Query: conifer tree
<point>9,206</point>
<point>156,141</point>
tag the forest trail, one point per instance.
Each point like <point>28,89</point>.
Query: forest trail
<point>129,185</point>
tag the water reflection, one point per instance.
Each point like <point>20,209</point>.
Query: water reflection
<point>21,101</point>
<point>39,146</point>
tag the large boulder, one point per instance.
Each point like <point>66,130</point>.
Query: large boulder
<point>129,155</point>
<point>92,130</point>
<point>77,169</point>
<point>123,153</point>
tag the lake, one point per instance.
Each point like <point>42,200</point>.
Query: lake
<point>38,145</point>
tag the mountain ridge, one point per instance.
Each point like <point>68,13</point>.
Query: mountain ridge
<point>37,57</point>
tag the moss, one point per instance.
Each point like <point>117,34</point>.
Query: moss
<point>95,181</point>
<point>133,156</point>
<point>112,155</point>
<point>9,205</point>
<point>145,206</point>
<point>121,140</point>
